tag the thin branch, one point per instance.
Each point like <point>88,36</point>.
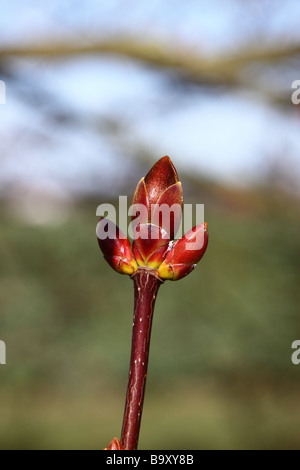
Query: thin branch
<point>146,286</point>
<point>188,64</point>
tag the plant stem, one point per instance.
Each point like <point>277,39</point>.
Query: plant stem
<point>146,285</point>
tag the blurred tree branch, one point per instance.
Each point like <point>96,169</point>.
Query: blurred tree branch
<point>190,66</point>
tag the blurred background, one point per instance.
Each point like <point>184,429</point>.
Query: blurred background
<point>96,92</point>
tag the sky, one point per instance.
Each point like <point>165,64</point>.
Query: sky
<point>230,136</point>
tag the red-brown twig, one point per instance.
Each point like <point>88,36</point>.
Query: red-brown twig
<point>146,286</point>
<point>153,258</point>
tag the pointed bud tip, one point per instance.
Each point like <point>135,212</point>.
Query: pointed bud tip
<point>162,175</point>
<point>115,444</point>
